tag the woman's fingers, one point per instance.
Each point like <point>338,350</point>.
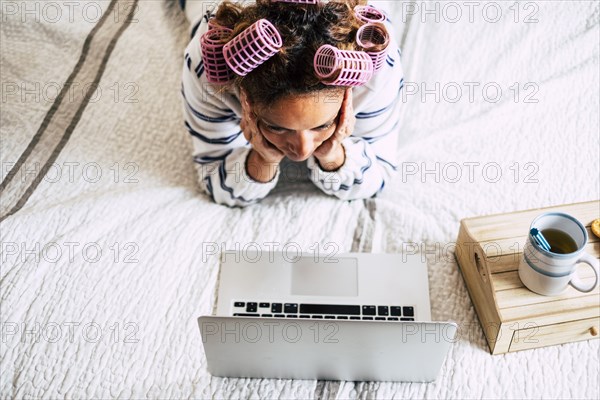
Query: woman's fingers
<point>248,122</point>
<point>268,152</point>
<point>253,135</point>
<point>346,120</point>
<point>349,113</point>
<point>268,147</point>
<point>247,135</point>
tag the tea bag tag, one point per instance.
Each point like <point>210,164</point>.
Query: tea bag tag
<point>540,239</point>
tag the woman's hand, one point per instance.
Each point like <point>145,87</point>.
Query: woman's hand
<point>269,153</point>
<point>264,158</point>
<point>330,153</point>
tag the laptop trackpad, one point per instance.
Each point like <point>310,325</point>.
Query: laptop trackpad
<point>325,277</point>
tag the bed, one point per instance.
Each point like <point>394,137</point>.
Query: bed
<point>110,249</point>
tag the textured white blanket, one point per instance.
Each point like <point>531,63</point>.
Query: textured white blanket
<point>108,258</point>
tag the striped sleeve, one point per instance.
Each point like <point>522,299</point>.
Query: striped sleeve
<point>371,151</point>
<point>220,150</point>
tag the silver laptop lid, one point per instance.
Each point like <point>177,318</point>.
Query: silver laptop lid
<point>321,349</point>
<point>365,279</point>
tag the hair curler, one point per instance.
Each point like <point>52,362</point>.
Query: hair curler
<point>342,67</point>
<point>369,14</point>
<point>213,41</point>
<point>255,45</point>
<point>296,1</point>
<point>371,36</point>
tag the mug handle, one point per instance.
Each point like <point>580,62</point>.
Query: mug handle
<point>592,262</point>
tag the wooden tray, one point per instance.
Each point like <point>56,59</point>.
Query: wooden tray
<point>512,317</point>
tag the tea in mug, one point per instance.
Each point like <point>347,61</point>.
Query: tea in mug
<point>559,241</point>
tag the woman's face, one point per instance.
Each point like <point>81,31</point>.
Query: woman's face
<point>297,125</point>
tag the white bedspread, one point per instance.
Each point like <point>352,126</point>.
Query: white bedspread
<point>109,260</point>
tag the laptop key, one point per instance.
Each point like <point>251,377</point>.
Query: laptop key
<point>368,310</point>
<point>329,309</point>
<point>396,311</point>
<point>239,304</point>
<point>407,319</point>
<point>291,316</point>
<point>354,317</point>
<point>246,315</point>
<point>380,318</point>
<point>342,317</point>
<point>266,315</point>
<point>290,308</point>
<point>382,310</point>
<point>408,311</point>
<point>251,307</point>
<point>318,316</point>
<point>330,317</point>
<point>368,318</point>
<point>392,318</point>
<point>276,307</point>
<point>264,305</point>
<point>279,316</point>
<point>304,316</point>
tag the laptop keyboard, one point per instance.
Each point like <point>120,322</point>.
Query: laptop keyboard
<point>323,311</point>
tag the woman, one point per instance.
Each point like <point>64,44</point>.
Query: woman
<point>243,129</point>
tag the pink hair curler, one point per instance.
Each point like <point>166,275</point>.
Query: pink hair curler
<point>369,14</point>
<point>255,45</point>
<point>217,70</point>
<point>371,35</point>
<point>353,68</point>
<point>296,1</point>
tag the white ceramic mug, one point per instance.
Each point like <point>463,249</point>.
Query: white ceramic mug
<point>549,273</point>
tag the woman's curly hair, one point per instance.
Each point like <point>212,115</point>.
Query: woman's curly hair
<point>303,28</point>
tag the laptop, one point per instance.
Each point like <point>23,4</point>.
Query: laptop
<point>352,316</point>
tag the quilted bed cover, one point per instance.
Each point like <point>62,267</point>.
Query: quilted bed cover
<point>110,250</point>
